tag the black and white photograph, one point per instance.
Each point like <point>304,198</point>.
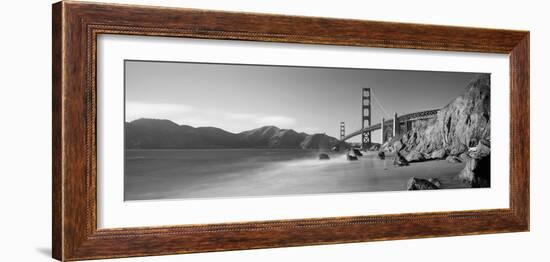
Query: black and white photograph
<point>207,130</point>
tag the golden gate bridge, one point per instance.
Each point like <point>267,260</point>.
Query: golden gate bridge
<point>389,128</point>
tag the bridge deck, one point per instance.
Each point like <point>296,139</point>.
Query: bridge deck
<point>407,117</point>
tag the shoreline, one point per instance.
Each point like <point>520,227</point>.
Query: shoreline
<point>170,178</point>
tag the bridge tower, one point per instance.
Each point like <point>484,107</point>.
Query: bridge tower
<point>342,131</point>
<point>365,118</point>
<point>382,132</point>
<point>396,126</point>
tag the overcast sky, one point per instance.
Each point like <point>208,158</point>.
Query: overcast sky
<point>307,99</point>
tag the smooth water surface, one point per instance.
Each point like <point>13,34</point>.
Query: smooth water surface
<point>177,174</point>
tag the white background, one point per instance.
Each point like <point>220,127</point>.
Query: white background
<point>25,160</point>
<point>114,212</point>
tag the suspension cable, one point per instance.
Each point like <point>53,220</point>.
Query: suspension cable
<point>380,105</point>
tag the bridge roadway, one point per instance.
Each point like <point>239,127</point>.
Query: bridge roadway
<point>404,118</point>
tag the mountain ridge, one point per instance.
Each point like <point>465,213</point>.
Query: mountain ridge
<point>147,133</point>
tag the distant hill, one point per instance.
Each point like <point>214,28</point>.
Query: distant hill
<point>164,134</point>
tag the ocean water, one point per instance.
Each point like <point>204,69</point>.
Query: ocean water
<point>211,173</point>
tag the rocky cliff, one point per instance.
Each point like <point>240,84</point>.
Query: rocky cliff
<point>461,132</point>
<point>459,126</point>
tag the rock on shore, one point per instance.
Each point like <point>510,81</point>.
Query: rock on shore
<point>438,154</point>
<point>415,156</point>
<point>423,184</point>
<point>399,160</point>
<point>357,152</point>
<point>351,157</point>
<point>477,171</point>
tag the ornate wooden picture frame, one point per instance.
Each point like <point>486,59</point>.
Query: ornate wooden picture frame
<point>75,29</point>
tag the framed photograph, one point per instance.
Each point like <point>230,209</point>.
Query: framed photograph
<point>182,130</point>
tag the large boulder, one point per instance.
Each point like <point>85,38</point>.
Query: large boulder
<point>421,184</point>
<point>415,156</point>
<point>477,172</point>
<point>438,154</point>
<point>357,152</point>
<point>351,156</point>
<point>435,181</point>
<point>481,150</point>
<point>464,157</point>
<point>457,148</point>
<point>399,160</point>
